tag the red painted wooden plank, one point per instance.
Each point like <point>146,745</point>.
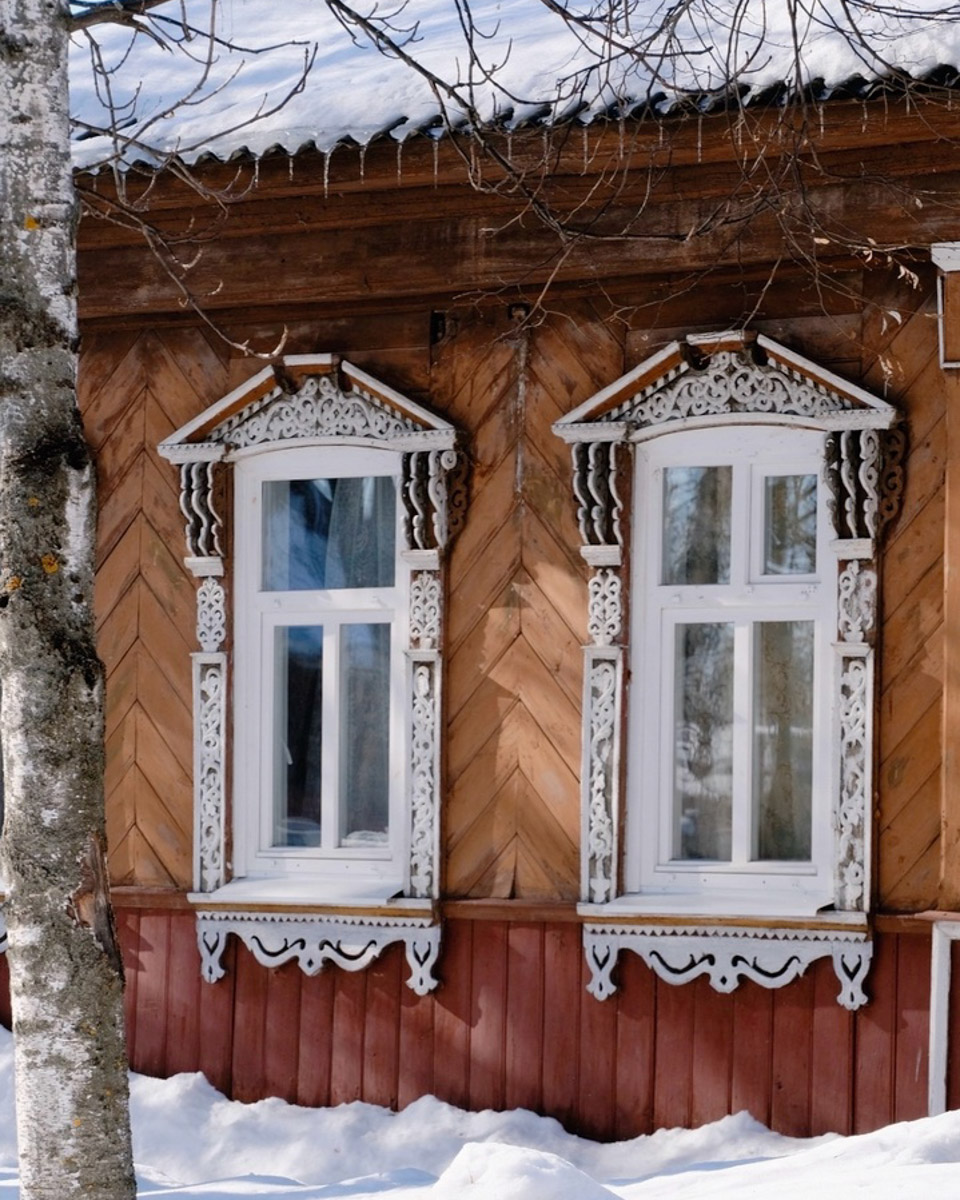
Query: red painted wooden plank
<point>346,1057</point>
<point>524,1031</point>
<point>249,1015</point>
<point>953,1031</point>
<point>416,1043</point>
<point>598,1061</point>
<point>453,1015</point>
<point>564,993</point>
<point>183,996</point>
<point>151,997</point>
<point>751,1081</point>
<point>636,1020</point>
<point>831,1055</point>
<point>792,1032</point>
<point>128,936</point>
<point>381,1039</point>
<point>488,988</point>
<point>316,1038</point>
<point>672,1066</point>
<point>913,1026</point>
<point>216,1022</point>
<point>712,1049</point>
<point>281,1032</point>
<point>875,1023</point>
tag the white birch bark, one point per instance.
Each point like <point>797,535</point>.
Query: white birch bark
<point>66,980</point>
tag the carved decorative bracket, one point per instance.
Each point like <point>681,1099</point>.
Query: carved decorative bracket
<point>312,941</point>
<point>865,477</point>
<point>434,497</point>
<point>728,954</point>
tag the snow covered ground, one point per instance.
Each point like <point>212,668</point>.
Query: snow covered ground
<point>189,1141</point>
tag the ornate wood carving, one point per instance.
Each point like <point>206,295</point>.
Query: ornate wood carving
<point>865,477</point>
<point>727,954</point>
<point>601,772</point>
<point>350,942</point>
<point>309,403</point>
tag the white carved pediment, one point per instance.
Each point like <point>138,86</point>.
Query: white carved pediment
<point>730,376</point>
<point>308,397</point>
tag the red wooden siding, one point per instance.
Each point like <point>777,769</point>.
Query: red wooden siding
<point>512,1025</point>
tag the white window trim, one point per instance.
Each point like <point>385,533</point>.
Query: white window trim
<point>742,888</point>
<point>715,382</point>
<point>317,402</point>
<point>321,874</point>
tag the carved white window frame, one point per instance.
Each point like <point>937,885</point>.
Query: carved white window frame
<point>319,402</point>
<point>721,381</point>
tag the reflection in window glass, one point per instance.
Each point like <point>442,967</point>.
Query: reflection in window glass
<point>790,525</point>
<point>298,741</point>
<point>696,525</point>
<point>703,741</point>
<point>329,533</point>
<point>783,739</point>
<point>364,734</point>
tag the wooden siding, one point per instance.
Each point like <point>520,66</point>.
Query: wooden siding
<point>134,391</point>
<point>513,1025</point>
<point>517,612</point>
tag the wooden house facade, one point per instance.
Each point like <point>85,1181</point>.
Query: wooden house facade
<point>522,936</point>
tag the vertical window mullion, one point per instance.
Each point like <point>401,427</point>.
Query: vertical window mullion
<point>330,751</point>
<point>743,819</point>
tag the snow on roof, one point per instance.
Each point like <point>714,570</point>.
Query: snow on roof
<point>248,92</point>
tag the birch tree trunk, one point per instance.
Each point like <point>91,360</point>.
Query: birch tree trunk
<point>66,977</point>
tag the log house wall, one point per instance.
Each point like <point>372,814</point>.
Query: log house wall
<point>512,1023</point>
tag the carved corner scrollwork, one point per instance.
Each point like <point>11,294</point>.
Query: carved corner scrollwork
<point>350,942</point>
<point>865,477</point>
<point>729,954</point>
<point>856,693</point>
<point>434,497</point>
<point>600,504</point>
<point>203,525</point>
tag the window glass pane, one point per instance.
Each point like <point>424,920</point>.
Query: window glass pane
<point>703,741</point>
<point>783,738</point>
<point>329,533</point>
<point>298,734</point>
<point>364,734</point>
<point>790,525</point>
<point>696,524</point>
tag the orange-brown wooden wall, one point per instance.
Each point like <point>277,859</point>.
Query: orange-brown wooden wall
<point>511,1023</point>
<point>517,585</point>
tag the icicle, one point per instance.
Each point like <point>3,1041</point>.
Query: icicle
<point>327,155</point>
<point>699,137</point>
<point>662,134</point>
<point>256,173</point>
<point>399,159</point>
<point>363,156</point>
<point>821,116</point>
<point>509,145</point>
<point>863,123</point>
<point>290,167</point>
<point>586,148</point>
<point>436,160</point>
<point>622,136</point>
<point>546,144</point>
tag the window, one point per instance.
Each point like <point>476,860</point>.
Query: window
<point>320,661</point>
<point>735,493</point>
<point>322,594</point>
<point>734,615</point>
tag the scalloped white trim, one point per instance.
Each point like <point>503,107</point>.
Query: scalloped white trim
<point>351,942</point>
<point>727,954</point>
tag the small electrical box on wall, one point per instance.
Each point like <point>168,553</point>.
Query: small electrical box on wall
<point>946,256</point>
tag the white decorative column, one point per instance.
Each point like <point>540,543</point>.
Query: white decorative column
<point>865,476</point>
<point>204,558</point>
<point>595,466</point>
<point>434,501</point>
